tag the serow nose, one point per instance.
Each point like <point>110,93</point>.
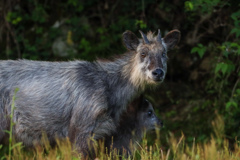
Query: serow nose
<point>161,124</point>
<point>158,74</point>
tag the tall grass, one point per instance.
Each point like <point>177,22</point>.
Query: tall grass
<point>217,148</point>
<point>11,124</point>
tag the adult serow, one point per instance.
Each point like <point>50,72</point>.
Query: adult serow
<point>80,99</point>
<point>134,123</point>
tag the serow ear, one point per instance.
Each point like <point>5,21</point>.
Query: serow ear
<point>130,40</point>
<point>172,38</point>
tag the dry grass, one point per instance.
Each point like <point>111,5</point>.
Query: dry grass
<point>216,149</point>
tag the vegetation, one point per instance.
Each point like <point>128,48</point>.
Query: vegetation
<point>203,79</point>
<point>216,148</point>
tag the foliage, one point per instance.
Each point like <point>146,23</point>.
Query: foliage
<point>203,75</point>
<point>200,49</point>
<point>225,79</point>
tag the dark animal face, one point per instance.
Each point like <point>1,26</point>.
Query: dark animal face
<point>150,62</point>
<point>147,117</point>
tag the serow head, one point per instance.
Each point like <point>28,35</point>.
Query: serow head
<point>150,61</point>
<point>147,116</point>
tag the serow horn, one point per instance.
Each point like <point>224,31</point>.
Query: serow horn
<point>159,37</point>
<point>144,37</point>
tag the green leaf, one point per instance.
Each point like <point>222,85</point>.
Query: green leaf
<point>234,104</point>
<point>6,131</point>
<point>234,45</point>
<point>16,145</point>
<point>236,15</point>
<point>226,53</point>
<point>218,67</point>
<point>188,6</point>
<point>224,68</point>
<point>141,24</point>
<point>200,50</point>
<point>238,91</point>
<point>228,105</point>
<point>238,51</point>
<point>231,103</point>
<point>231,67</point>
<point>237,31</point>
<point>194,50</point>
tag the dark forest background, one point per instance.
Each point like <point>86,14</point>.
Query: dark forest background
<point>203,78</point>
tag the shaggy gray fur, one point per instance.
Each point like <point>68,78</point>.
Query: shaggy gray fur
<point>78,99</point>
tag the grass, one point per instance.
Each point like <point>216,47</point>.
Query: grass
<point>216,149</point>
<point>212,150</point>
<point>11,125</point>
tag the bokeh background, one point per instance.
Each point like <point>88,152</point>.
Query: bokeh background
<point>203,79</point>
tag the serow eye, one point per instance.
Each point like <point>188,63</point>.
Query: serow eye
<point>149,113</point>
<point>164,55</point>
<point>143,54</point>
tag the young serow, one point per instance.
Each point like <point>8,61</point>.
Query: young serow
<point>80,99</point>
<point>134,123</point>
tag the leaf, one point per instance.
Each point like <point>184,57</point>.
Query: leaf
<point>224,68</point>
<point>6,131</point>
<point>194,50</point>
<point>237,31</point>
<point>200,50</point>
<point>238,51</point>
<point>218,67</point>
<point>238,91</point>
<point>226,53</point>
<point>16,145</point>
<point>228,105</point>
<point>141,24</point>
<point>235,15</point>
<point>234,45</point>
<point>231,103</point>
<point>231,67</point>
<point>188,6</point>
<point>234,104</point>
